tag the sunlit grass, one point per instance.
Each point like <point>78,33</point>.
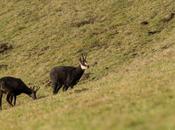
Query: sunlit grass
<point>131,83</point>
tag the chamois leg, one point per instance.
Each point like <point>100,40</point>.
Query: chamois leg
<point>1,100</point>
<point>65,88</point>
<point>14,102</point>
<point>67,85</point>
<point>11,99</point>
<point>56,87</point>
<point>72,86</point>
<point>8,99</point>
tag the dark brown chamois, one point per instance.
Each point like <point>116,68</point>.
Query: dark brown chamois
<point>14,87</point>
<point>67,75</point>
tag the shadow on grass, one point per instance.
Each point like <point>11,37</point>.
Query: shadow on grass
<point>81,90</point>
<point>41,97</point>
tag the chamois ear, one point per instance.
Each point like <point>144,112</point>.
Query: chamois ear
<point>85,56</point>
<point>80,59</point>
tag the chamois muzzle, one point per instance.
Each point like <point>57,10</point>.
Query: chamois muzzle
<point>34,91</point>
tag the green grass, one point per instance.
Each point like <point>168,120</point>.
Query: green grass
<point>131,83</point>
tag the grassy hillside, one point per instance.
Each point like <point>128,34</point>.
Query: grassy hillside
<point>131,51</point>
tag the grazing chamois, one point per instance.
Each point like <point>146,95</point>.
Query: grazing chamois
<point>67,75</point>
<point>14,87</point>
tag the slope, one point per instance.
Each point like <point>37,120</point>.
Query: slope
<point>130,47</point>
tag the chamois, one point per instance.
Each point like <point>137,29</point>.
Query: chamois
<point>13,87</point>
<point>67,75</point>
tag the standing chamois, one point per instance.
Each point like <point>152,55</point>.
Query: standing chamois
<point>14,87</point>
<point>67,75</point>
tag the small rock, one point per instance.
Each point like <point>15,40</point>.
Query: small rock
<point>153,32</point>
<point>144,23</point>
<point>5,47</point>
<point>168,17</point>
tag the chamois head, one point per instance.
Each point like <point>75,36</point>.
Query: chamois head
<point>83,62</point>
<point>34,91</point>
